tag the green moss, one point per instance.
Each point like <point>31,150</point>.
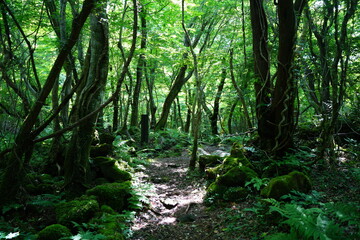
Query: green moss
<point>54,232</point>
<point>215,190</point>
<point>38,189</point>
<point>113,194</point>
<point>283,185</point>
<point>237,176</point>
<point>227,164</point>
<point>235,194</point>
<point>237,151</point>
<point>211,173</point>
<point>114,170</point>
<point>107,209</point>
<point>101,150</point>
<point>78,211</point>
<point>112,231</point>
<point>301,181</point>
<point>208,160</point>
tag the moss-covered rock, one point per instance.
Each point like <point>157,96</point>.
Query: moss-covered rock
<point>283,185</point>
<point>112,231</point>
<point>209,161</point>
<point>237,151</point>
<point>225,166</point>
<point>78,211</point>
<point>113,194</point>
<point>113,169</point>
<point>54,232</point>
<point>235,194</point>
<point>215,190</point>
<point>101,150</point>
<point>237,176</point>
<point>39,183</point>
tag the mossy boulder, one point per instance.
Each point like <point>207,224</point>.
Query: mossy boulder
<point>237,176</point>
<point>216,190</point>
<point>101,150</point>
<point>54,232</point>
<point>112,231</point>
<point>117,171</point>
<point>110,222</point>
<point>221,192</point>
<point>235,194</point>
<point>283,185</point>
<point>237,151</point>
<point>227,164</point>
<point>114,195</point>
<point>208,161</point>
<point>78,211</point>
<point>39,183</point>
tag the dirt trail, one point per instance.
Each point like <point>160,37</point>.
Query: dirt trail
<point>177,210</point>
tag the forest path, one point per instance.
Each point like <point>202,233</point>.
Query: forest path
<point>176,208</point>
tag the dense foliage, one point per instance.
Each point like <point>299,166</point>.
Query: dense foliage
<point>90,90</point>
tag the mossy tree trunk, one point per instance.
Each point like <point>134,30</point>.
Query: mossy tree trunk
<point>88,99</point>
<point>16,158</point>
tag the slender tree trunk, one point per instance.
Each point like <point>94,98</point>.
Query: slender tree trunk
<point>150,80</point>
<point>215,114</point>
<point>139,71</point>
<point>232,109</point>
<point>239,91</point>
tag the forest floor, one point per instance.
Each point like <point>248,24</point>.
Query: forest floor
<point>177,209</point>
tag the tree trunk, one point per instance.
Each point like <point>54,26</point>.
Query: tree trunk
<point>239,91</point>
<point>276,118</point>
<point>23,146</point>
<point>215,114</point>
<point>139,72</point>
<point>262,70</point>
<point>88,99</point>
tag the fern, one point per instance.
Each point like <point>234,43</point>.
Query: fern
<point>308,223</point>
<point>345,212</point>
<point>257,183</point>
<point>304,199</point>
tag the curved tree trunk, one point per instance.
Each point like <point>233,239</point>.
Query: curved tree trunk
<point>21,152</point>
<point>88,99</point>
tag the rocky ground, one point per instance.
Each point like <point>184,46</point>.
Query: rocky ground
<point>177,210</point>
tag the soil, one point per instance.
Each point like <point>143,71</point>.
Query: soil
<point>177,209</point>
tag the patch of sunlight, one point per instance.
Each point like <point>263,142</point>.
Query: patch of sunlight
<point>167,220</point>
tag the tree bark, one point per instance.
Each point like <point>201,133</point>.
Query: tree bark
<point>276,118</point>
<point>88,100</point>
<point>23,146</point>
<point>262,70</point>
<point>215,114</point>
<point>139,71</point>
